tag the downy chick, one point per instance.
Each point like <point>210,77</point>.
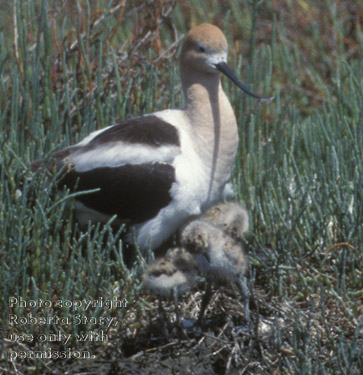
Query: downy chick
<point>220,258</point>
<point>170,276</point>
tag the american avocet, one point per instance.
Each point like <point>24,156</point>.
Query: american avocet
<point>220,258</point>
<point>157,170</point>
<point>170,276</point>
<point>230,217</point>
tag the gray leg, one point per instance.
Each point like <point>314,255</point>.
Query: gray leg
<point>242,283</point>
<point>205,301</point>
<point>179,326</point>
<point>175,299</point>
<point>163,318</point>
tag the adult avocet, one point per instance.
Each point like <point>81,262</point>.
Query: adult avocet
<point>157,170</point>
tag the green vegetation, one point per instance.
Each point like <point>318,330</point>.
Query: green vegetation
<point>70,67</point>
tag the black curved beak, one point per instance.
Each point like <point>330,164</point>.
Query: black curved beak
<point>225,69</point>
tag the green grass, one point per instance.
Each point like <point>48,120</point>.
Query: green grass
<point>66,71</point>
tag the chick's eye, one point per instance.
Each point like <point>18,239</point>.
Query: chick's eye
<point>201,49</point>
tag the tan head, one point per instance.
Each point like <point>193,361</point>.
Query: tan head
<point>204,47</point>
<point>205,51</point>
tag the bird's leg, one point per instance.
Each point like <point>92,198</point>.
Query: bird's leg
<point>205,301</point>
<point>175,299</point>
<point>242,283</point>
<point>163,318</point>
<point>179,327</point>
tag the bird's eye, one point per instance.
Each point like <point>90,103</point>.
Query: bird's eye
<point>201,49</point>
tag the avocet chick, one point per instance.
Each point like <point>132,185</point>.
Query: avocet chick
<point>220,258</point>
<point>170,276</point>
<point>230,217</point>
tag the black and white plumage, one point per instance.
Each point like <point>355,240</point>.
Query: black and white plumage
<point>157,170</point>
<point>129,180</point>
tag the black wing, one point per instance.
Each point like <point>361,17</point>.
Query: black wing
<point>135,193</point>
<point>146,130</point>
